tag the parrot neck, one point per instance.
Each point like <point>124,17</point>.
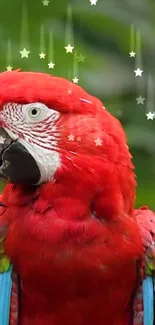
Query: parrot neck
<point>79,199</point>
<point>18,195</point>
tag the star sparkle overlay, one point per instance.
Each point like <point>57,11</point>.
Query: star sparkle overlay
<point>98,142</point>
<point>75,80</point>
<point>150,116</point>
<point>51,65</point>
<point>24,53</point>
<point>80,57</point>
<point>45,3</point>
<point>119,113</point>
<point>138,72</point>
<point>140,100</point>
<point>136,55</point>
<point>71,137</point>
<point>9,68</point>
<point>132,54</point>
<point>42,55</point>
<point>69,48</point>
<point>2,139</point>
<point>93,2</point>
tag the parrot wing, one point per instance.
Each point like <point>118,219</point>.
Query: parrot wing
<point>146,224</point>
<point>144,298</point>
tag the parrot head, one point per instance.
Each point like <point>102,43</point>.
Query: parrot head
<point>53,131</point>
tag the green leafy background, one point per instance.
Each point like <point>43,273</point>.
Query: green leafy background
<point>102,33</point>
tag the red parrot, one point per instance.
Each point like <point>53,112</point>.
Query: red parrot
<point>67,215</point>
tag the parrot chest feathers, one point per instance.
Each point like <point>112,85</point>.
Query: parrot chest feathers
<point>64,264</point>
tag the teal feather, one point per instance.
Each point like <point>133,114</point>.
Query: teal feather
<point>148,300</point>
<point>5,296</point>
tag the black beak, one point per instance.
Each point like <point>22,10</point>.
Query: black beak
<point>17,165</point>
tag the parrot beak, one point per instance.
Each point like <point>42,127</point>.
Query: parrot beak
<point>17,165</point>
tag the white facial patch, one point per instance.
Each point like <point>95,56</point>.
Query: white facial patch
<point>47,160</point>
<point>34,126</point>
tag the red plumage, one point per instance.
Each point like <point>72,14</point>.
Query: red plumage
<point>74,241</point>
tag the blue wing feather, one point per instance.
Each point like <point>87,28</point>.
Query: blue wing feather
<point>148,300</point>
<point>5,296</point>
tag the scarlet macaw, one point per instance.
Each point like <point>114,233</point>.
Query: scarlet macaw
<point>80,252</point>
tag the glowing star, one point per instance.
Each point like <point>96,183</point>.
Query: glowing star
<point>138,72</point>
<point>45,2</point>
<point>93,2</point>
<point>140,100</point>
<point>132,54</point>
<point>98,142</point>
<point>69,48</point>
<point>51,65</point>
<point>9,68</point>
<point>2,140</point>
<point>69,91</point>
<point>78,139</point>
<point>75,80</point>
<point>150,116</point>
<point>42,55</point>
<point>71,137</point>
<point>24,53</point>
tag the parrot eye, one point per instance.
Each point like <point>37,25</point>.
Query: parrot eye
<point>34,112</point>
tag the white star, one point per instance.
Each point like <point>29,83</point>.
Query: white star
<point>93,2</point>
<point>69,48</point>
<point>45,2</point>
<point>24,53</point>
<point>9,68</point>
<point>75,80</point>
<point>132,54</point>
<point>140,100</point>
<point>2,140</point>
<point>150,116</point>
<point>78,138</point>
<point>42,55</point>
<point>98,142</point>
<point>51,65</point>
<point>138,72</point>
<point>71,137</point>
<point>69,91</point>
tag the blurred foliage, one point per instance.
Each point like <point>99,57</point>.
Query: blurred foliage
<point>102,33</point>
